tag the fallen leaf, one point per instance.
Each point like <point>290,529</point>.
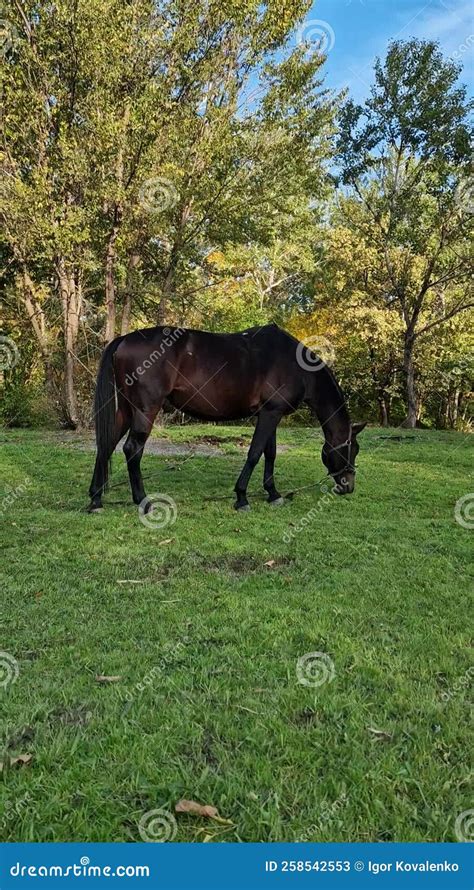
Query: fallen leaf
<point>129,581</point>
<point>101,678</point>
<point>270,563</point>
<point>166,541</point>
<point>21,760</point>
<point>380,735</point>
<point>198,809</point>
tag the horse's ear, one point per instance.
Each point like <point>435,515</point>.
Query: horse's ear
<point>358,427</point>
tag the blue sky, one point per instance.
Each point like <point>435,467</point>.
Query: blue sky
<point>361,29</point>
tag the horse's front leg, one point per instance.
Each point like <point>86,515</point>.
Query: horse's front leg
<point>274,496</point>
<point>267,422</point>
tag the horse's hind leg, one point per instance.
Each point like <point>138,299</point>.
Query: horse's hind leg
<point>267,422</point>
<point>97,486</point>
<point>140,429</point>
<point>274,496</point>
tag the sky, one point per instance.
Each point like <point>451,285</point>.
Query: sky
<point>354,32</point>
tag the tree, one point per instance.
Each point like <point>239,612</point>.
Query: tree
<point>101,121</point>
<point>405,159</point>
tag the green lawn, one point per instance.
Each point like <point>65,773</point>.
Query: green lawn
<point>205,638</point>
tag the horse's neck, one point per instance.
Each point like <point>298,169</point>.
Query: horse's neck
<point>326,399</point>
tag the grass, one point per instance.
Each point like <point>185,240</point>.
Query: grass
<point>205,638</point>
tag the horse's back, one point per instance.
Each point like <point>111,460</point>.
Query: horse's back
<point>209,375</point>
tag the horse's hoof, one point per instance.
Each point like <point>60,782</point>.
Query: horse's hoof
<point>278,502</point>
<point>92,509</point>
<point>243,509</point>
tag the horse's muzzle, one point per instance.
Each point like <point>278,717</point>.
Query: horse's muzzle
<point>344,484</point>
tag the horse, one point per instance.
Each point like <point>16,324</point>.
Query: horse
<point>263,372</point>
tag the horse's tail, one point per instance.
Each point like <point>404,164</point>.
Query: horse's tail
<point>104,410</point>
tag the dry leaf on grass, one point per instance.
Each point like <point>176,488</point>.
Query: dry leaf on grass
<point>101,678</point>
<point>166,541</point>
<point>380,735</point>
<point>270,563</point>
<point>197,809</point>
<point>21,760</point>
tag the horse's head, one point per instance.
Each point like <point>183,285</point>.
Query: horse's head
<point>340,460</point>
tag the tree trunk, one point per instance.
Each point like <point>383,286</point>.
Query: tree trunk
<point>410,382</point>
<point>454,408</point>
<point>70,297</point>
<point>36,316</point>
<point>129,289</point>
<point>111,251</point>
<point>110,289</point>
<point>170,273</point>
<point>383,411</point>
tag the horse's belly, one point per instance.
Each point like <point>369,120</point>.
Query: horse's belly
<point>209,404</point>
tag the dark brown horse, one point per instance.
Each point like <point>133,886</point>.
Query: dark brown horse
<point>263,371</point>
